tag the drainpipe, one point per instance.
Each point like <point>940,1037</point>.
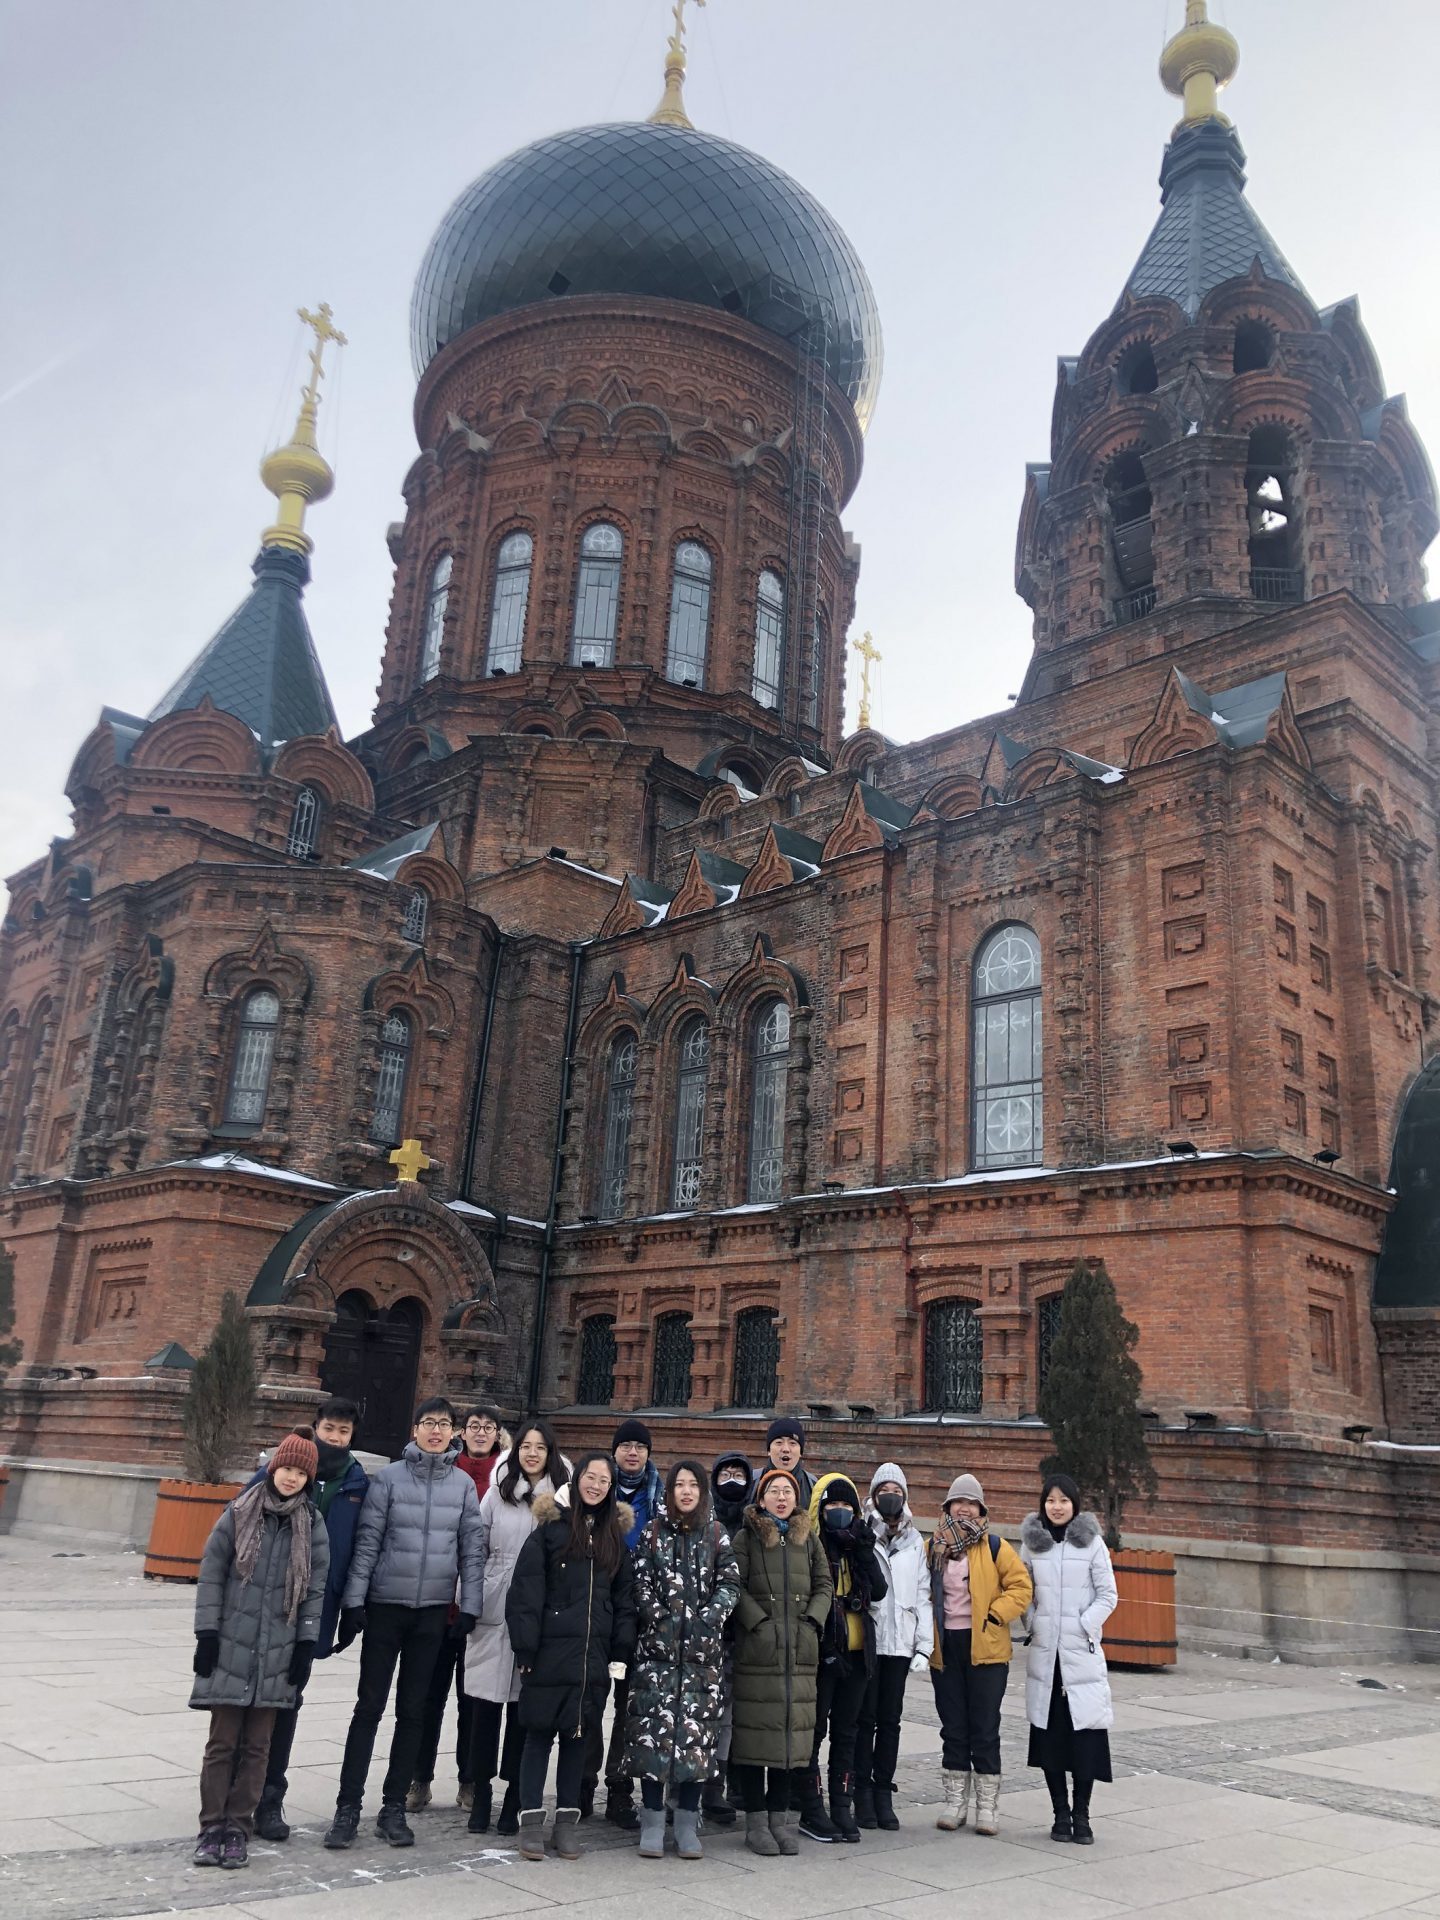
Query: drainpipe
<point>472,1141</point>
<point>577,957</point>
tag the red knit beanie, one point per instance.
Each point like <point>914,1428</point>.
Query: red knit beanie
<point>297,1449</point>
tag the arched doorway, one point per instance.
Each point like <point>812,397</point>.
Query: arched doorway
<point>372,1356</point>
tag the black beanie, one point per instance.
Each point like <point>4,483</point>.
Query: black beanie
<point>631,1430</point>
<point>786,1427</point>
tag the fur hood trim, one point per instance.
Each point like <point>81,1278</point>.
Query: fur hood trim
<point>1035,1535</point>
<point>763,1526</point>
<point>556,1506</point>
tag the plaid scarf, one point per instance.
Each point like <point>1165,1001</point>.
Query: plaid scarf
<point>954,1538</point>
<point>249,1511</point>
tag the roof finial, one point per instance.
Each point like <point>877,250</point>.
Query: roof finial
<point>870,654</point>
<point>296,473</point>
<point>671,110</point>
<point>1197,63</point>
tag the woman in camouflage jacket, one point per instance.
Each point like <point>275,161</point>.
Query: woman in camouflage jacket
<point>686,1586</point>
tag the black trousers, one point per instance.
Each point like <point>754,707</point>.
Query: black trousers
<point>449,1666</point>
<point>967,1698</point>
<point>774,1790</point>
<point>411,1636</point>
<point>877,1736</point>
<point>487,1757</point>
<point>687,1794</point>
<point>281,1741</point>
<point>535,1762</point>
<point>618,1778</point>
<point>838,1700</point>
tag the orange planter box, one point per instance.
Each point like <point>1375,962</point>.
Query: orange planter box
<point>185,1511</point>
<point>1141,1631</point>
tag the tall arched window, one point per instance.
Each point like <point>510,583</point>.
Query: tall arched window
<point>812,668</point>
<point>597,597</point>
<point>1270,510</point>
<point>254,1057</point>
<point>510,603</point>
<point>1007,1097</point>
<point>674,1352</point>
<point>1127,492</point>
<point>385,1125</point>
<point>757,1358</point>
<point>690,1114</point>
<point>954,1353</point>
<point>769,639</point>
<point>437,599</point>
<point>769,1068</point>
<point>417,913</point>
<point>619,1107</point>
<point>689,615</point>
<point>1047,1326</point>
<point>595,1383</point>
<point>304,825</point>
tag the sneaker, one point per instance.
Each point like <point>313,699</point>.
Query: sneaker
<point>234,1852</point>
<point>209,1847</point>
<point>343,1827</point>
<point>270,1821</point>
<point>391,1825</point>
<point>418,1798</point>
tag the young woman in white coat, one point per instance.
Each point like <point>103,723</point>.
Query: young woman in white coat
<point>1067,1687</point>
<point>534,1466</point>
<point>904,1640</point>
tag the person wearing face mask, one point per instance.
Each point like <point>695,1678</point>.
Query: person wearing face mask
<point>1067,1684</point>
<point>732,1482</point>
<point>904,1641</point>
<point>847,1654</point>
<point>570,1613</point>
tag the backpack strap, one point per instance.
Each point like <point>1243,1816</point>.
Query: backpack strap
<point>995,1546</point>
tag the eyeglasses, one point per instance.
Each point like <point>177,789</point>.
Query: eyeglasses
<point>480,1426</point>
<point>435,1426</point>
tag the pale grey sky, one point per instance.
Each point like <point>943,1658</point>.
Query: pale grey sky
<point>177,176</point>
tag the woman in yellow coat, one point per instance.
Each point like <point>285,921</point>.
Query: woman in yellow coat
<point>978,1587</point>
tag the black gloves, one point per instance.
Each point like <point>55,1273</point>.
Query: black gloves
<point>352,1624</point>
<point>207,1654</point>
<point>302,1659</point>
<point>461,1628</point>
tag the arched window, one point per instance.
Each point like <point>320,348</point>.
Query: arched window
<point>595,1385</point>
<point>770,1059</point>
<point>690,1114</point>
<point>674,1351</point>
<point>689,615</point>
<point>757,1358</point>
<point>254,1057</point>
<point>769,639</point>
<point>619,1107</point>
<point>417,913</point>
<point>1270,510</point>
<point>812,669</point>
<point>1047,1325</point>
<point>437,599</point>
<point>1127,493</point>
<point>597,597</point>
<point>510,603</point>
<point>385,1125</point>
<point>304,825</point>
<point>1254,346</point>
<point>1007,1097</point>
<point>954,1352</point>
<point>1135,369</point>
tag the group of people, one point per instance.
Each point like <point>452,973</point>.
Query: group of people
<point>745,1624</point>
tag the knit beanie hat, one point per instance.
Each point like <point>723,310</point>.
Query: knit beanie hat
<point>967,1487</point>
<point>631,1430</point>
<point>888,1470</point>
<point>770,1475</point>
<point>787,1427</point>
<point>297,1449</point>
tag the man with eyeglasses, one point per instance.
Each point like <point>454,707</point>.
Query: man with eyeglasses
<point>419,1534</point>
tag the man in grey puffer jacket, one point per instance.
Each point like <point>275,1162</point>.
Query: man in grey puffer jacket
<point>419,1534</point>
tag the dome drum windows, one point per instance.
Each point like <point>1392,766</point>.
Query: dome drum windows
<point>1006,1084</point>
<point>597,597</point>
<point>770,1058</point>
<point>254,1057</point>
<point>437,602</point>
<point>689,631</point>
<point>387,1121</point>
<point>509,605</point>
<point>619,1114</point>
<point>686,1177</point>
<point>769,639</point>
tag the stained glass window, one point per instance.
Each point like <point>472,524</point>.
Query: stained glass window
<point>619,1107</point>
<point>1006,1061</point>
<point>597,597</point>
<point>769,639</point>
<point>770,1071</point>
<point>757,1358</point>
<point>689,615</point>
<point>953,1355</point>
<point>690,1114</point>
<point>511,601</point>
<point>254,1057</point>
<point>437,599</point>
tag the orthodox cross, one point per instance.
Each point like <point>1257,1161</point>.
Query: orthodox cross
<point>869,653</point>
<point>321,325</point>
<point>677,39</point>
<point>409,1161</point>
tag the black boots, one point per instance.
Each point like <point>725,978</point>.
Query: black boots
<point>392,1826</point>
<point>342,1829</point>
<point>509,1821</point>
<point>842,1807</point>
<point>885,1817</point>
<point>1062,1827</point>
<point>1080,1830</point>
<point>864,1804</point>
<point>815,1823</point>
<point>270,1821</point>
<point>479,1820</point>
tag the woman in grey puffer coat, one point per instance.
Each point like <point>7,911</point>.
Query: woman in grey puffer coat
<point>257,1619</point>
<point>1067,1685</point>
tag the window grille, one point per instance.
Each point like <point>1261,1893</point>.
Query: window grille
<point>596,1384</point>
<point>770,1072</point>
<point>757,1358</point>
<point>690,1115</point>
<point>437,599</point>
<point>619,1108</point>
<point>953,1356</point>
<point>810,683</point>
<point>674,1352</point>
<point>1007,1100</point>
<point>597,597</point>
<point>1047,1326</point>
<point>511,603</point>
<point>304,825</point>
<point>254,1057</point>
<point>417,912</point>
<point>769,639</point>
<point>689,616</point>
<point>390,1086</point>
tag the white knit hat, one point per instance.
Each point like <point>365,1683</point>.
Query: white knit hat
<point>888,1470</point>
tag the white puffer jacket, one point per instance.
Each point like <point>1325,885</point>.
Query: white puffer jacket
<point>904,1619</point>
<point>1074,1597</point>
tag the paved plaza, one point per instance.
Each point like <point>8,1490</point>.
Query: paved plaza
<point>1240,1789</point>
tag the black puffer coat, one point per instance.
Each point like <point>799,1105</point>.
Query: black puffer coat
<point>567,1620</point>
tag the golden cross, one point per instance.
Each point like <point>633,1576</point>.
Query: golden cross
<point>321,326</point>
<point>677,39</point>
<point>409,1161</point>
<point>869,653</point>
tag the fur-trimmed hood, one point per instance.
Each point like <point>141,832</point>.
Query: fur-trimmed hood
<point>763,1526</point>
<point>556,1506</point>
<point>1035,1535</point>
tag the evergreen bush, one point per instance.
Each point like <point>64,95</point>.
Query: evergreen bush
<point>220,1410</point>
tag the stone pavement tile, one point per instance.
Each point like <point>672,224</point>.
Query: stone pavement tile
<point>1139,1878</point>
<point>1265,1702</point>
<point>1324,1893</point>
<point>1227,1811</point>
<point>1375,1763</point>
<point>1430,1906</point>
<point>471,1896</point>
<point>1073,1904</point>
<point>1136,1790</point>
<point>59,1797</point>
<point>37,1836</point>
<point>1262,1855</point>
<point>1419,1865</point>
<point>135,1826</point>
<point>1366,1833</point>
<point>202,1913</point>
<point>19,1777</point>
<point>964,1859</point>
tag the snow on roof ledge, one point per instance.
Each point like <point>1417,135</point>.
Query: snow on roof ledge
<point>237,1163</point>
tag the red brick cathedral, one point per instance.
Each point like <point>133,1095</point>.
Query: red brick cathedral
<point>753,1064</point>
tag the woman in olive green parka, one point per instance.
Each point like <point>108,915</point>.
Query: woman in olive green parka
<point>785,1596</point>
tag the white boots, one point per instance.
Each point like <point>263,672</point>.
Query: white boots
<point>987,1801</point>
<point>957,1800</point>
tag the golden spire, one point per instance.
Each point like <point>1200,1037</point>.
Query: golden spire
<point>671,110</point>
<point>870,654</point>
<point>1197,63</point>
<point>296,473</point>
